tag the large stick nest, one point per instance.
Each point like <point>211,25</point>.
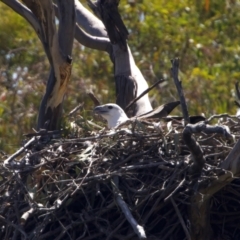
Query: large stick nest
<point>120,184</point>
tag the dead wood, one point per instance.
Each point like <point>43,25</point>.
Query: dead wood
<point>161,111</point>
<point>129,80</point>
<point>174,70</point>
<point>142,94</point>
<point>108,13</point>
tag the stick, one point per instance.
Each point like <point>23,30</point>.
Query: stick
<point>181,219</point>
<point>139,230</point>
<point>21,150</point>
<point>142,94</point>
<point>93,98</point>
<point>174,70</point>
<point>75,109</point>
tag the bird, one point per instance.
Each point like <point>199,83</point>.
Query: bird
<point>113,113</point>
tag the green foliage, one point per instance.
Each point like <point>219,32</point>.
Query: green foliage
<point>203,34</point>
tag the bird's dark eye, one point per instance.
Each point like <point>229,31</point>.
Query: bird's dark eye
<point>110,107</point>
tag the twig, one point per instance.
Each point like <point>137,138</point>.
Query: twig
<point>175,190</point>
<point>139,230</point>
<point>221,116</point>
<point>80,184</point>
<point>75,109</point>
<point>109,14</point>
<point>174,70</point>
<point>181,219</point>
<point>19,228</point>
<point>42,132</point>
<point>93,98</point>
<point>109,174</point>
<point>21,150</point>
<point>142,94</point>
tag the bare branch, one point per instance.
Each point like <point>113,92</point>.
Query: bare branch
<point>223,115</point>
<point>174,70</point>
<point>60,47</point>
<point>89,22</point>
<point>93,98</point>
<point>195,150</point>
<point>139,230</point>
<point>67,23</point>
<point>129,81</point>
<point>87,40</point>
<point>181,219</point>
<point>143,93</point>
<point>21,150</point>
<point>27,14</point>
<point>98,43</point>
<point>161,111</point>
<point>108,12</point>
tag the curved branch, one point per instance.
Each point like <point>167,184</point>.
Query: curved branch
<point>87,40</point>
<point>27,14</point>
<point>86,20</point>
<point>108,12</point>
<point>98,43</point>
<point>195,149</point>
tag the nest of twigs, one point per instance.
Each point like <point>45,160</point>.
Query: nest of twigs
<point>129,183</point>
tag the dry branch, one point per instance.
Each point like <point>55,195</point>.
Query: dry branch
<point>174,70</point>
<point>142,94</point>
<point>129,81</point>
<point>139,230</point>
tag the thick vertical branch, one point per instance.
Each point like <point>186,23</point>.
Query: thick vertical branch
<point>129,81</point>
<point>199,216</point>
<point>58,48</point>
<point>60,45</point>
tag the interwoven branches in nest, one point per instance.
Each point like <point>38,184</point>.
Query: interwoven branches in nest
<point>73,187</point>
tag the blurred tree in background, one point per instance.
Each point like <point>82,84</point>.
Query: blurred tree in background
<point>203,34</point>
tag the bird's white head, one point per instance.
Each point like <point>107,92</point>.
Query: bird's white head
<point>112,113</point>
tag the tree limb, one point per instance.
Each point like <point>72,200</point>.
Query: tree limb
<point>89,22</point>
<point>195,149</point>
<point>60,46</point>
<point>129,81</point>
<point>27,14</point>
<point>108,12</point>
<point>88,40</point>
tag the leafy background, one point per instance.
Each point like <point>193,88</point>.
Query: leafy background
<point>204,34</point>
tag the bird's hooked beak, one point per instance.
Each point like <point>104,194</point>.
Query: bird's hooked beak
<point>100,110</point>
